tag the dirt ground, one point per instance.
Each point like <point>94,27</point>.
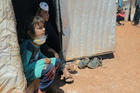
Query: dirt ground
<point>120,74</point>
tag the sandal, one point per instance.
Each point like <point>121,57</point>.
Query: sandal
<point>67,77</point>
<point>95,63</point>
<point>71,67</point>
<point>83,63</point>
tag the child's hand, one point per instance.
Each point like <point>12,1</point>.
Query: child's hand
<point>56,55</point>
<point>47,60</point>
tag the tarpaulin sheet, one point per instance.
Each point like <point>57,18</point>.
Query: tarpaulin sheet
<point>12,79</point>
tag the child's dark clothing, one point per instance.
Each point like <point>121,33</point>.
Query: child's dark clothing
<point>52,39</point>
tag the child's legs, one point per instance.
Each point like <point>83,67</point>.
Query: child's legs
<point>57,64</point>
<point>119,18</point>
<point>47,77</point>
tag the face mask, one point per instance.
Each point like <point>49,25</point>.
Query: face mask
<point>40,40</point>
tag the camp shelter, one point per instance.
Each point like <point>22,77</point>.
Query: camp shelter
<point>87,28</point>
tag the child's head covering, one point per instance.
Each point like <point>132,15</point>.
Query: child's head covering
<point>44,6</point>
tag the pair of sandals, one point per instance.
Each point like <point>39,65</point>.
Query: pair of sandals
<point>94,63</point>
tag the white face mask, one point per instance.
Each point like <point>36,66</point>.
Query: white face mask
<point>40,40</point>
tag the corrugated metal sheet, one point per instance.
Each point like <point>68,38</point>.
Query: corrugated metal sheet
<point>88,27</point>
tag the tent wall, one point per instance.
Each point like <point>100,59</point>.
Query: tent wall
<point>12,79</point>
<point>88,27</point>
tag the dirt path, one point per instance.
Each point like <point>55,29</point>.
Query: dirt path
<point>120,74</point>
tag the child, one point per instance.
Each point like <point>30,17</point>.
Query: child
<point>35,64</point>
<point>120,16</point>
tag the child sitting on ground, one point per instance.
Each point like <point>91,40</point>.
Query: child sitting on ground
<point>35,64</point>
<point>120,16</point>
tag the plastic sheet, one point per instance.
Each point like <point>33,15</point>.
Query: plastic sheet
<point>12,79</point>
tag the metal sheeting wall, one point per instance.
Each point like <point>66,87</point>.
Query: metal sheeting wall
<point>88,27</point>
<point>12,79</point>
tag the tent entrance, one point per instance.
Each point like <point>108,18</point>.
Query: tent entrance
<point>25,10</point>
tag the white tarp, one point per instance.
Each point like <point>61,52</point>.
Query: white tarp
<point>88,27</point>
<point>12,79</point>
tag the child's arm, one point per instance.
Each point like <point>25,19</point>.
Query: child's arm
<point>54,52</point>
<point>122,15</point>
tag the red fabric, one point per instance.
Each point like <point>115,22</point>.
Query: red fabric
<point>122,15</point>
<point>51,74</point>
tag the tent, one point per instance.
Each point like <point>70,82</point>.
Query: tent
<point>87,29</point>
<point>12,79</point>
